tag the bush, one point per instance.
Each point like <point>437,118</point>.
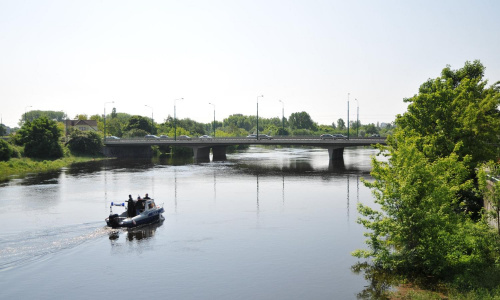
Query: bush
<point>85,142</point>
<point>5,151</point>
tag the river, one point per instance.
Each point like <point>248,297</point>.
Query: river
<point>265,224</point>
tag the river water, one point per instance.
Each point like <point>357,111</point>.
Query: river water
<point>265,224</point>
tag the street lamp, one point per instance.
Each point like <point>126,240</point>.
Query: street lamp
<point>175,119</point>
<point>152,120</point>
<point>357,117</point>
<point>258,115</point>
<point>105,118</point>
<point>25,112</point>
<point>283,117</point>
<point>348,115</point>
<point>214,117</point>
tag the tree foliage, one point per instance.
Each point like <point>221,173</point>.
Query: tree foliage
<point>138,122</point>
<point>302,120</point>
<point>419,232</point>
<point>85,142</point>
<point>6,151</point>
<point>424,227</point>
<point>40,139</point>
<point>490,189</point>
<point>456,107</point>
<point>58,116</point>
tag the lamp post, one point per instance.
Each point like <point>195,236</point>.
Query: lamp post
<point>258,115</point>
<point>25,112</point>
<point>175,119</point>
<point>214,117</point>
<point>105,118</point>
<point>357,117</point>
<point>152,120</point>
<point>348,115</point>
<point>282,117</point>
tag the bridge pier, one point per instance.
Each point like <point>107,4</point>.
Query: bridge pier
<point>203,153</point>
<point>219,152</point>
<point>336,153</point>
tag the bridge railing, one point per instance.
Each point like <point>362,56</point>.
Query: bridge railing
<point>170,139</point>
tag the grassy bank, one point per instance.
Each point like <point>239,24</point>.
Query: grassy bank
<point>22,166</point>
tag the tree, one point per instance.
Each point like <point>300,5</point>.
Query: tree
<point>81,117</point>
<point>40,139</point>
<point>427,225</point>
<point>418,232</point>
<point>302,120</point>
<point>85,142</point>
<point>59,116</point>
<point>456,107</point>
<point>340,124</point>
<point>138,122</point>
<point>6,151</point>
<point>371,129</point>
<point>3,130</point>
<point>491,189</point>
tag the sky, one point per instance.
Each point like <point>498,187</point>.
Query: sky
<point>315,56</point>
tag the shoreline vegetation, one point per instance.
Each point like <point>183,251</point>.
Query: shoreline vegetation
<point>20,167</point>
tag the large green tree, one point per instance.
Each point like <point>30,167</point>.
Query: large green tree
<point>40,139</point>
<point>428,224</point>
<point>138,122</point>
<point>31,115</point>
<point>456,107</point>
<point>302,120</point>
<point>417,231</point>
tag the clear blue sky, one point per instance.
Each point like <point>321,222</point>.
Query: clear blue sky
<point>76,55</point>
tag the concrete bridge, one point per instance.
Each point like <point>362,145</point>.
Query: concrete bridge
<point>202,147</point>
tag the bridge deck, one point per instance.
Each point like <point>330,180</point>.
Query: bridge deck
<point>196,142</point>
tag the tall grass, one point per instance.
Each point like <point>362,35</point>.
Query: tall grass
<point>22,166</point>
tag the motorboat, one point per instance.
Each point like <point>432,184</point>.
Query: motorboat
<point>140,212</point>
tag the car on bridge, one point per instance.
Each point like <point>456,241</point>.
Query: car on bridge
<point>150,136</point>
<point>339,136</point>
<point>326,136</point>
<point>205,137</point>
<point>265,137</point>
<point>112,137</point>
<point>163,136</point>
<point>184,137</point>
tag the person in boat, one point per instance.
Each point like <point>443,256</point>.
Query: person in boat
<point>140,205</point>
<point>131,207</point>
<point>146,197</point>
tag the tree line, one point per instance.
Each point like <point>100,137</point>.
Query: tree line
<point>43,133</point>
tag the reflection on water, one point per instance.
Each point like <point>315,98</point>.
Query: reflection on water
<point>380,283</point>
<point>137,233</point>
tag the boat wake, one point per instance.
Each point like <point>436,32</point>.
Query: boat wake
<point>20,249</point>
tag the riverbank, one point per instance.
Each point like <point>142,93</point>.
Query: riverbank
<point>19,167</point>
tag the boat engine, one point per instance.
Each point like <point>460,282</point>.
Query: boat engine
<point>113,220</point>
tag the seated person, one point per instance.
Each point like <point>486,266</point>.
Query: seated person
<point>140,205</point>
<point>146,197</point>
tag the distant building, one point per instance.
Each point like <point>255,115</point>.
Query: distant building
<point>83,125</point>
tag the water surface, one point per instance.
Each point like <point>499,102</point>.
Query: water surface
<point>265,224</point>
